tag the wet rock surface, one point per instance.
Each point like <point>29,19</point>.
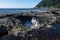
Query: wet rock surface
<point>50,34</point>
<point>12,28</point>
<point>3,31</point>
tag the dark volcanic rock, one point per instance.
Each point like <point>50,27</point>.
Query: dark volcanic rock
<point>3,31</point>
<point>11,28</point>
<point>9,37</point>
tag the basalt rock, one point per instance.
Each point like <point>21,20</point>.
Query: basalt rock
<point>11,25</point>
<point>3,31</point>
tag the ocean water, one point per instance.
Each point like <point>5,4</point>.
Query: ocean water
<point>28,23</point>
<point>57,26</point>
<point>19,10</point>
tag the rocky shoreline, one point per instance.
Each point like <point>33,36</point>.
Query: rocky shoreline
<point>12,27</point>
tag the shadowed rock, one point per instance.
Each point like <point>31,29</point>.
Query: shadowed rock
<point>3,31</point>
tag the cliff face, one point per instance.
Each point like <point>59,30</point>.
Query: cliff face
<point>49,4</point>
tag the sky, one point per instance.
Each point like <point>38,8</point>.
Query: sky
<point>18,3</point>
